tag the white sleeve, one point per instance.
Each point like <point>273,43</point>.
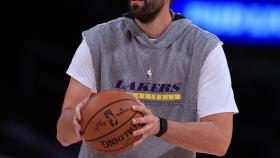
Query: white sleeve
<point>81,67</point>
<point>215,94</point>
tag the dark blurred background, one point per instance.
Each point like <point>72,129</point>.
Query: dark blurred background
<point>40,40</point>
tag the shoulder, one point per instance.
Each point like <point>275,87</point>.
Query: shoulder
<point>108,27</point>
<point>194,35</point>
<point>108,36</point>
<point>197,39</point>
<point>202,36</point>
<point>197,42</point>
<point>110,33</point>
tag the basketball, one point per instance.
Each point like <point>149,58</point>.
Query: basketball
<point>106,123</point>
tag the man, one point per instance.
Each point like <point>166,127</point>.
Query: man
<point>176,69</point>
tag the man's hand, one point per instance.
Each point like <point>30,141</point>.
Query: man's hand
<point>151,123</point>
<point>77,115</point>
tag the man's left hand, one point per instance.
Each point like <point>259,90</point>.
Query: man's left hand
<point>151,123</point>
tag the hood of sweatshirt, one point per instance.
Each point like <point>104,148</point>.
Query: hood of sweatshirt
<point>173,32</point>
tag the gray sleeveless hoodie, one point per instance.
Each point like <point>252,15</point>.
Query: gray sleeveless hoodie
<point>163,73</point>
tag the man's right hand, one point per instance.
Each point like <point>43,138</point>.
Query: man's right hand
<point>68,125</point>
<point>77,115</point>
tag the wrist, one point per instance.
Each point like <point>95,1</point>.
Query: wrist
<point>163,125</point>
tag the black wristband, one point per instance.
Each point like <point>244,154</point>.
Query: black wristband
<point>162,126</point>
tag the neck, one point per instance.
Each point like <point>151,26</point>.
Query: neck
<point>158,26</point>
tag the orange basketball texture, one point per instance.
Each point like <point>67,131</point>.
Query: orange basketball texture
<point>106,121</point>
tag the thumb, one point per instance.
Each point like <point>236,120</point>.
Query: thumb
<point>93,91</point>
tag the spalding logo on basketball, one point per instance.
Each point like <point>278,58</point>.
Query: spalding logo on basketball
<point>106,121</point>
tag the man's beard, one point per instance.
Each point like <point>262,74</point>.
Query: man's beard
<point>148,12</point>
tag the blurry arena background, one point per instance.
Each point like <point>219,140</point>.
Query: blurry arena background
<point>42,36</point>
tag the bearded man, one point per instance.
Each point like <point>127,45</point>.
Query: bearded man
<point>152,50</point>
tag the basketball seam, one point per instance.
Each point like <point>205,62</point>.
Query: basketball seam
<point>82,131</point>
<point>113,130</point>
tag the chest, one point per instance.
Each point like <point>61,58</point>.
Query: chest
<point>158,77</point>
<point>164,65</point>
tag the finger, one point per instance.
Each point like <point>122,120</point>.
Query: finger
<point>141,104</point>
<point>139,101</point>
<point>142,109</point>
<point>78,131</point>
<point>93,91</point>
<point>142,131</point>
<point>141,140</point>
<point>130,93</point>
<point>77,127</point>
<point>78,112</point>
<point>81,105</point>
<point>133,95</point>
<point>86,99</point>
<point>76,123</point>
<point>142,120</point>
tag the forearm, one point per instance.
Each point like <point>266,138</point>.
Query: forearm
<point>66,129</point>
<point>204,137</point>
